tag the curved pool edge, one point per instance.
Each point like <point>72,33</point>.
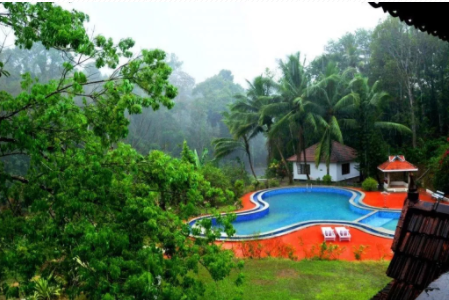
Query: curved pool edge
<point>262,208</point>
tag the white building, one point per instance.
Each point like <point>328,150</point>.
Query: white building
<point>342,164</point>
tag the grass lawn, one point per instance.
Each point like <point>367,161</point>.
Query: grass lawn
<point>283,279</point>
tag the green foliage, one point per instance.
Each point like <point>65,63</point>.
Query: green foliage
<point>239,188</point>
<point>273,182</point>
<point>222,187</point>
<point>325,251</point>
<point>369,184</point>
<point>187,155</point>
<point>45,291</point>
<point>359,251</point>
<point>235,171</point>
<point>441,179</point>
<point>276,169</point>
<point>327,179</point>
<point>108,220</point>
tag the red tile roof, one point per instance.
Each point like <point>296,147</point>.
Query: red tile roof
<point>340,153</point>
<point>397,164</point>
<point>420,249</point>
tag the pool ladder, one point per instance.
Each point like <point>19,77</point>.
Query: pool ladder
<point>307,187</point>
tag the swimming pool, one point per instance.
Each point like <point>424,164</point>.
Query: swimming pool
<point>284,210</point>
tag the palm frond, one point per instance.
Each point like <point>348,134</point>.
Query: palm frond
<point>393,127</point>
<point>225,146</point>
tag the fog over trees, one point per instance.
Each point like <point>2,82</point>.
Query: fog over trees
<point>106,151</point>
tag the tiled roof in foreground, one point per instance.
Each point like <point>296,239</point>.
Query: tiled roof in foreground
<point>421,249</point>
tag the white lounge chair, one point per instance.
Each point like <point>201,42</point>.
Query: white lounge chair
<point>343,234</point>
<point>329,234</point>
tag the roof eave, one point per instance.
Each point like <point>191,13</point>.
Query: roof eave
<point>398,170</point>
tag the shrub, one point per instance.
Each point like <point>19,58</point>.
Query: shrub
<point>273,182</point>
<point>441,178</point>
<point>239,188</point>
<point>276,169</point>
<point>327,179</point>
<point>222,185</point>
<point>255,182</point>
<point>325,251</point>
<point>369,184</point>
<point>358,252</point>
<point>236,171</point>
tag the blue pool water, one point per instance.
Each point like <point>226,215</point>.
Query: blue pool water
<point>286,209</point>
<point>290,208</point>
<point>387,220</point>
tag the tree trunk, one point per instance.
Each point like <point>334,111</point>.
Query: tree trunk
<point>301,148</point>
<point>412,111</point>
<point>290,177</point>
<point>248,153</point>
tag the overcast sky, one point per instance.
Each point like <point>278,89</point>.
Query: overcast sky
<point>244,37</point>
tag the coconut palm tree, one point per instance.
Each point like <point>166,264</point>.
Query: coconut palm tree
<point>334,99</point>
<point>239,141</point>
<point>244,119</point>
<point>291,111</point>
<point>367,121</point>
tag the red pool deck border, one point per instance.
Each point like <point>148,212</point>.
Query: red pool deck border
<point>393,200</point>
<point>301,242</point>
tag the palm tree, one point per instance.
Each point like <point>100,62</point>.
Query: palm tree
<point>368,121</point>
<point>291,111</point>
<point>240,141</point>
<point>244,120</point>
<point>335,101</point>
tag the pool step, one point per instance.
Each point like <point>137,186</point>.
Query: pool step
<point>366,216</point>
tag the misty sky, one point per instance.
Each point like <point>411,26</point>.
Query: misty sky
<point>245,38</point>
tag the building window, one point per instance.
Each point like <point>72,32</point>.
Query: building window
<point>345,169</point>
<point>303,168</point>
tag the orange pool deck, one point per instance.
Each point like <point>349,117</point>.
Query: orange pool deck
<point>301,242</point>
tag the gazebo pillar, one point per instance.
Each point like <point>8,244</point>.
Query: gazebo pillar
<point>388,180</point>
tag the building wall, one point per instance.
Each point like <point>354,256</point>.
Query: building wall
<point>353,172</point>
<point>334,171</point>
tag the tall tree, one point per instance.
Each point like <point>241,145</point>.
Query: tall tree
<point>333,98</point>
<point>291,111</point>
<point>394,48</point>
<point>369,124</point>
<point>91,210</point>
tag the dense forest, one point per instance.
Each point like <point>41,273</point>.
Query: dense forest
<point>106,151</point>
<point>382,92</point>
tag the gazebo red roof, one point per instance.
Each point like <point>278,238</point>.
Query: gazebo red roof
<point>340,153</point>
<point>397,164</point>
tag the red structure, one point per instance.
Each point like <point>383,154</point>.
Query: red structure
<point>394,165</point>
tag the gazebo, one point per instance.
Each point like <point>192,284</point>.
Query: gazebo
<point>392,169</point>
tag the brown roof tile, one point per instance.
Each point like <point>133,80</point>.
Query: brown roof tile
<point>340,153</point>
<point>421,250</point>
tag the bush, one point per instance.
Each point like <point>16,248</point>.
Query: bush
<point>222,185</point>
<point>359,251</point>
<point>441,178</point>
<point>276,169</point>
<point>236,171</point>
<point>369,184</point>
<point>327,179</point>
<point>255,182</point>
<point>239,188</point>
<point>273,182</point>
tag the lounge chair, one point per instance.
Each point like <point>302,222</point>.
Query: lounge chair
<point>343,234</point>
<point>329,234</point>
